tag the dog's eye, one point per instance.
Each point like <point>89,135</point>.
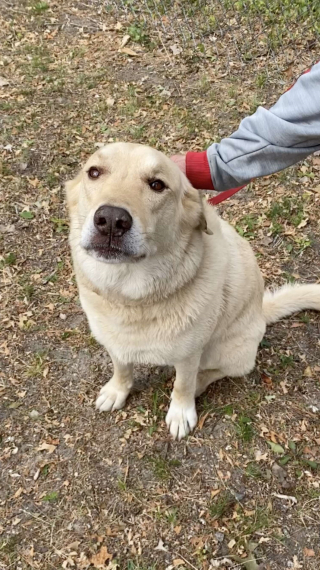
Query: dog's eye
<point>157,185</point>
<point>94,172</point>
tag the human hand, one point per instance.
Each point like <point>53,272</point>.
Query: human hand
<point>180,161</point>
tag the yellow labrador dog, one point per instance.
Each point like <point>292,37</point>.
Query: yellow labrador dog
<point>163,280</point>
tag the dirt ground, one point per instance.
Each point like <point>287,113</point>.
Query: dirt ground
<point>81,490</point>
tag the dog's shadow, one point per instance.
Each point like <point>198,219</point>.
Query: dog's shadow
<point>148,380</point>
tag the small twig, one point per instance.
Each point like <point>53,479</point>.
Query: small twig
<point>126,471</point>
<point>165,49</point>
<point>186,561</point>
<point>38,518</point>
<point>310,501</point>
<point>286,497</point>
<point>51,533</point>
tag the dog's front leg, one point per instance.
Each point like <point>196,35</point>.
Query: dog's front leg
<point>182,416</point>
<point>114,393</point>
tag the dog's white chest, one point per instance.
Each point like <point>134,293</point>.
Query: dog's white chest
<point>144,341</point>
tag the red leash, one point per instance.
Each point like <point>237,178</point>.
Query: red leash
<point>224,195</point>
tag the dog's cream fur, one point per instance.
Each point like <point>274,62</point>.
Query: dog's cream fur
<point>186,296</point>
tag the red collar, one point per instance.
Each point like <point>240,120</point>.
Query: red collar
<point>222,196</point>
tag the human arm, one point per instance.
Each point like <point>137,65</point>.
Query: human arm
<point>266,142</point>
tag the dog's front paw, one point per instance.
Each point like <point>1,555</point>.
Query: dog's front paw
<point>111,397</point>
<point>181,419</point>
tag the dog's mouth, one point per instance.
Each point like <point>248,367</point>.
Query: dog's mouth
<point>112,254</point>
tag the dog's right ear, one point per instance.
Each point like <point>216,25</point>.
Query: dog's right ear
<point>203,226</point>
<point>193,207</point>
<point>72,188</point>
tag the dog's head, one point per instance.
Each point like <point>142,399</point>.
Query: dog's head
<point>131,202</point>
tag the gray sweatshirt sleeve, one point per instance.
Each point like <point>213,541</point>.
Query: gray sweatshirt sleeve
<point>270,140</point>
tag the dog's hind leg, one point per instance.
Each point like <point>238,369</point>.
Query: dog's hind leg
<point>205,378</point>
<point>232,359</point>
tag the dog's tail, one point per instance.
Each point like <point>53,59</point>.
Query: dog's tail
<point>290,299</point>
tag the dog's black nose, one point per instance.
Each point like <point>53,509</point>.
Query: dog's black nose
<point>112,220</point>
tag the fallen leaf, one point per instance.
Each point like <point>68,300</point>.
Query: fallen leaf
<point>308,372</point>
<point>273,437</point>
<point>99,559</point>
<point>260,456</point>
<point>175,49</point>
<point>34,182</point>
<point>128,51</point>
<point>26,215</point>
<point>283,386</point>
<point>312,464</point>
<point>10,229</point>
<point>36,475</point>
<point>125,40</point>
<point>29,553</point>
<point>303,426</point>
<point>296,563</point>
<point>113,565</point>
<point>308,552</point>
<point>110,102</point>
<point>266,380</point>
<point>276,448</point>
<point>15,405</point>
<point>46,447</point>
<point>270,398</point>
<point>266,240</point>
<point>231,543</point>
<point>18,493</point>
<point>289,71</point>
<point>3,81</point>
<point>202,420</point>
<point>73,545</point>
<point>177,562</point>
<point>303,223</point>
<point>160,546</point>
